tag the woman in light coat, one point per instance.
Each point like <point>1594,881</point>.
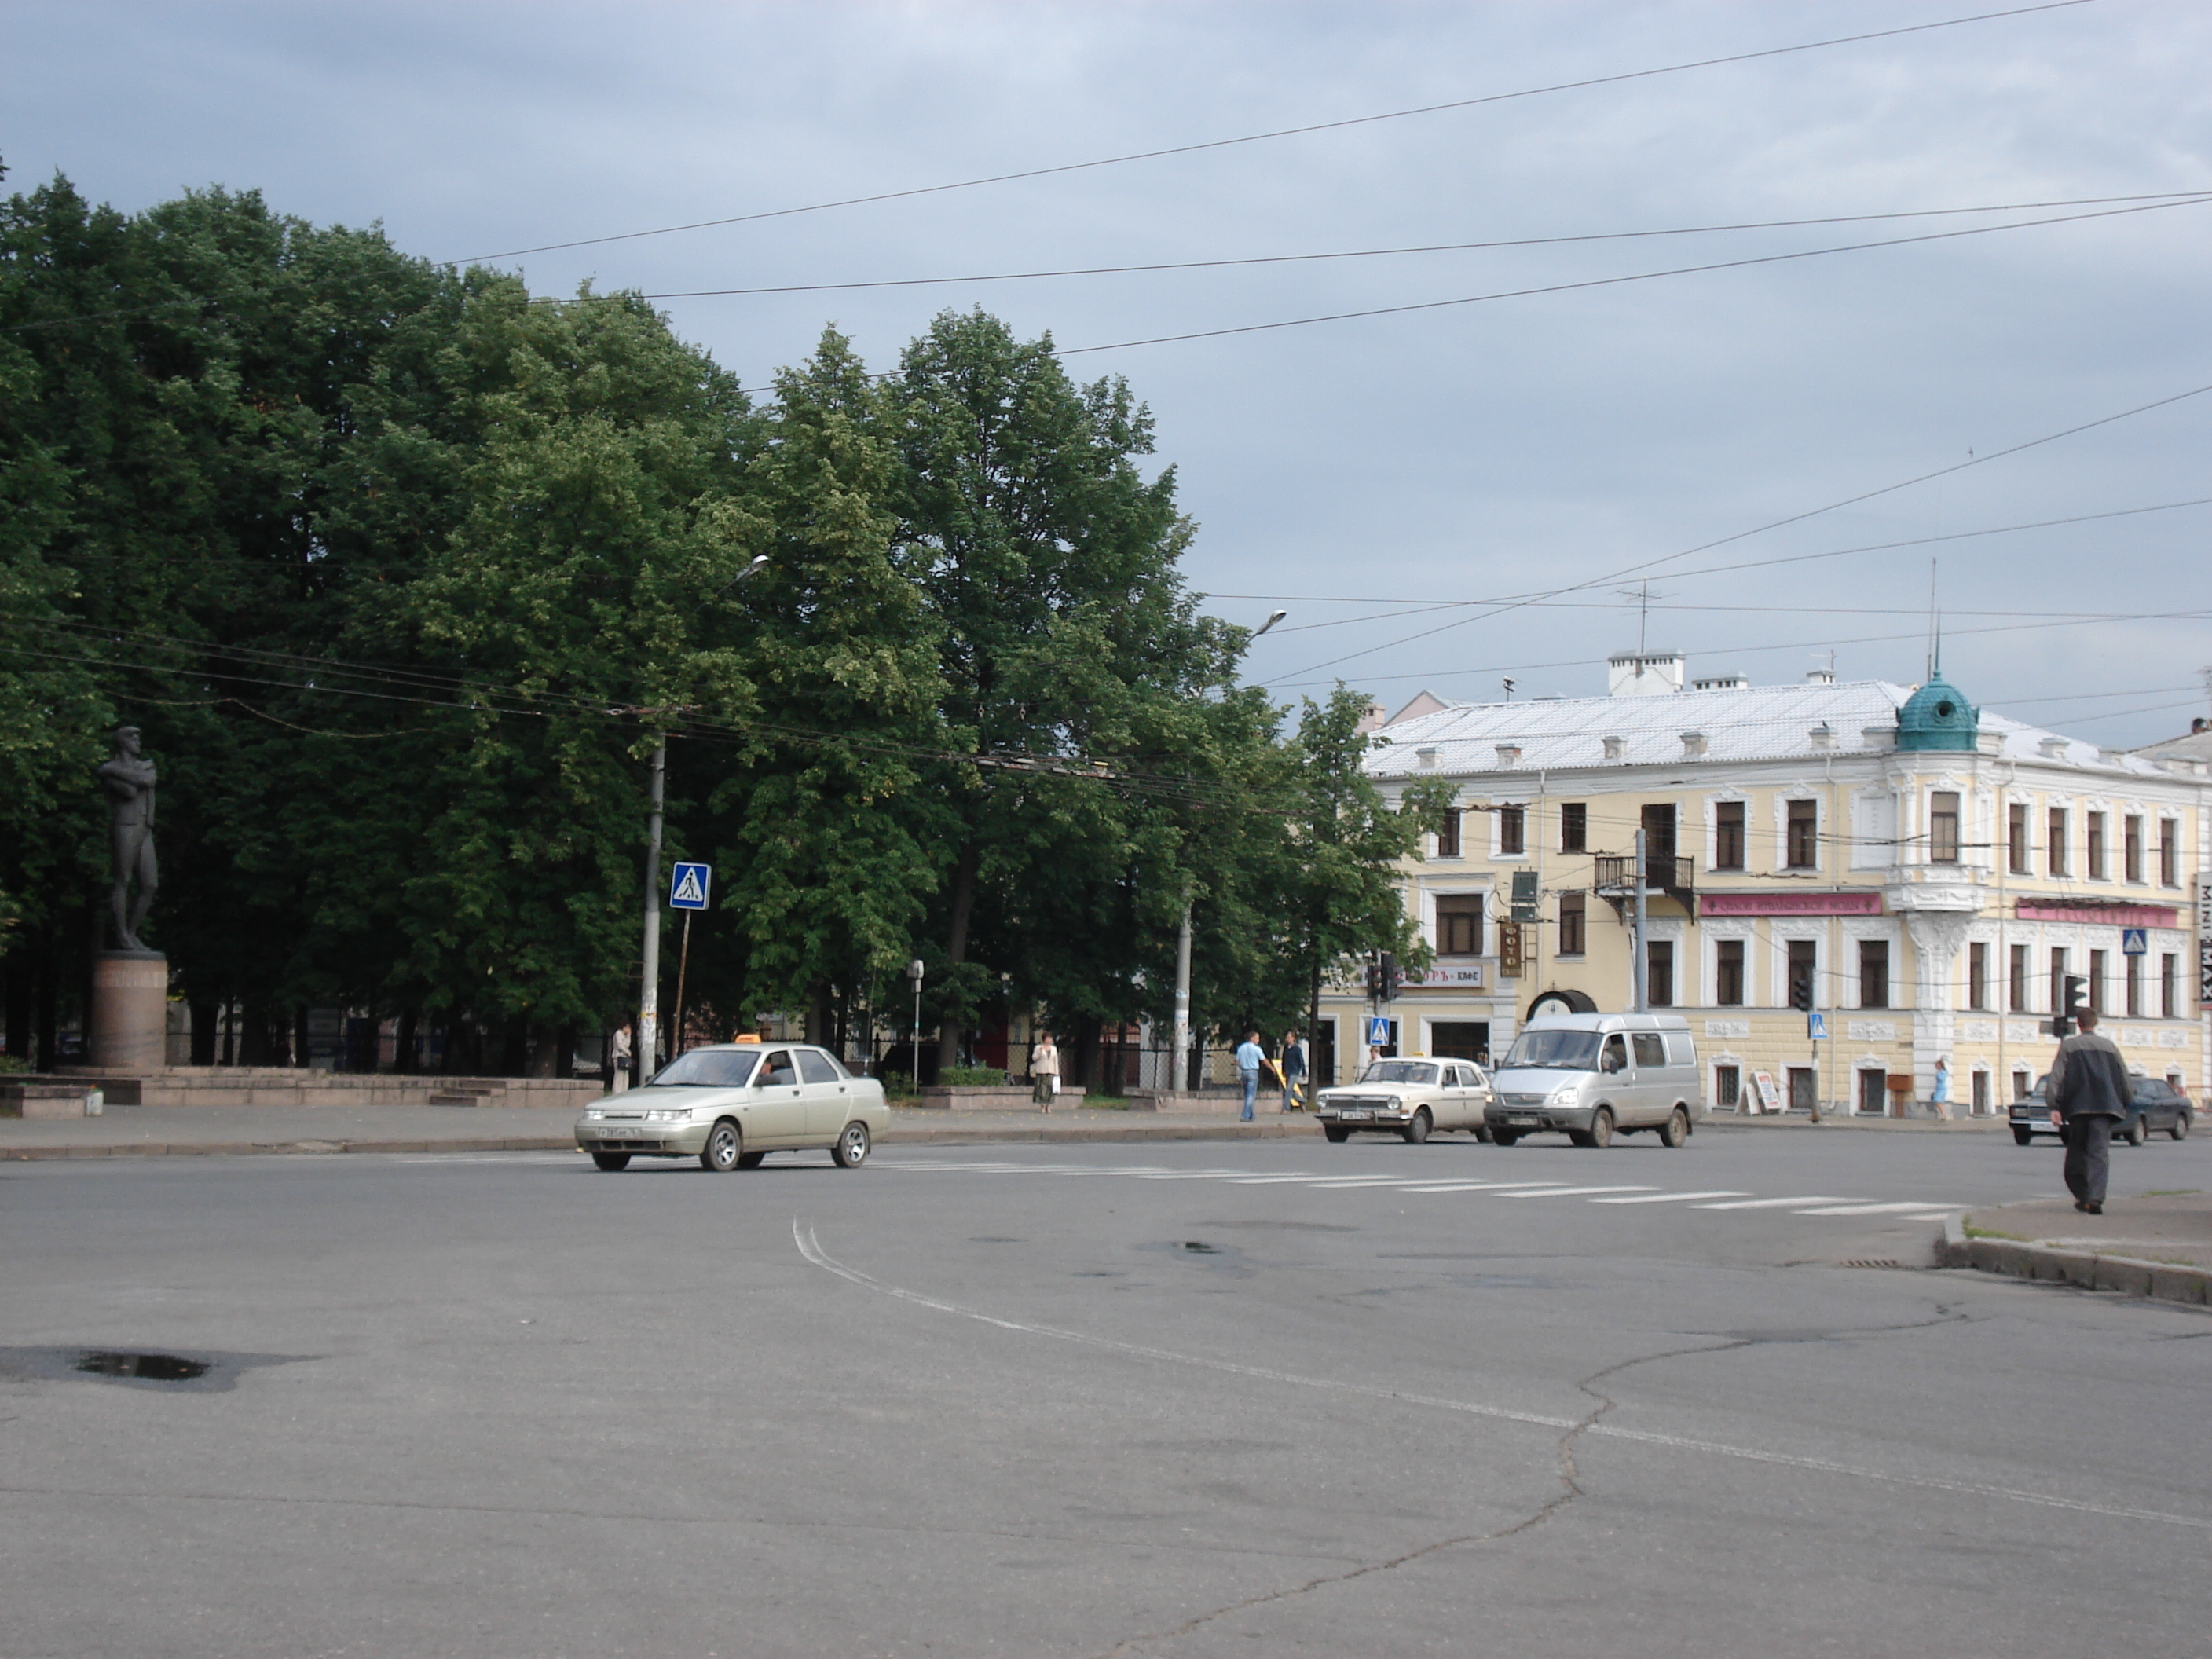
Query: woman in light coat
<point>1044,1071</point>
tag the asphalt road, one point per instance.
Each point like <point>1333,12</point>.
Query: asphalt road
<point>1173,1400</point>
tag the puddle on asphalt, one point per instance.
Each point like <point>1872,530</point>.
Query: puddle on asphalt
<point>146,1367</point>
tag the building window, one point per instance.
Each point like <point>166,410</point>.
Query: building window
<point>2058,978</point>
<point>2016,848</point>
<point>1981,1093</point>
<point>2097,980</point>
<point>2057,849</point>
<point>2017,981</point>
<point>2168,973</point>
<point>1728,1088</point>
<point>2020,1085</point>
<point>1512,832</point>
<point>1728,974</point>
<point>1570,924</point>
<point>1873,1093</point>
<point>1659,973</point>
<point>1978,976</point>
<point>1728,836</point>
<point>1802,844</point>
<point>1803,955</point>
<point>1803,1088</point>
<point>1874,973</point>
<point>1574,827</point>
<point>2132,847</point>
<point>1459,925</point>
<point>2169,852</point>
<point>1448,834</point>
<point>1943,827</point>
<point>2093,858</point>
<point>2132,974</point>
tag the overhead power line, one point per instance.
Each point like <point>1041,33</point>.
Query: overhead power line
<point>2171,196</point>
<point>1614,282</point>
<point>1285,132</point>
<point>1644,565</point>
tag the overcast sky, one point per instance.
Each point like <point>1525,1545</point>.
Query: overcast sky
<point>1353,468</point>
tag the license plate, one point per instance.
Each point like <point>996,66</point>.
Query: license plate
<point>620,1134</point>
<point>1363,1115</point>
<point>1521,1118</point>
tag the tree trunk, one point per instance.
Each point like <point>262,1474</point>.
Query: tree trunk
<point>1086,1051</point>
<point>1313,1028</point>
<point>19,1010</point>
<point>817,1015</point>
<point>514,1047</point>
<point>254,1037</point>
<point>963,906</point>
<point>46,1022</point>
<point>403,1045</point>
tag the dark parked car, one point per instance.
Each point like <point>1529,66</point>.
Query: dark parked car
<point>2157,1106</point>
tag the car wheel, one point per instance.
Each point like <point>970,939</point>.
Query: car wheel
<point>2022,1137</point>
<point>2136,1132</point>
<point>1482,1133</point>
<point>1336,1133</point>
<point>852,1148</point>
<point>723,1149</point>
<point>1600,1129</point>
<point>751,1160</point>
<point>1676,1129</point>
<point>612,1160</point>
<point>2180,1126</point>
<point>1418,1130</point>
<point>1504,1137</point>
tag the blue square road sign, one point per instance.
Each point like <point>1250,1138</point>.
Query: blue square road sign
<point>2135,941</point>
<point>689,884</point>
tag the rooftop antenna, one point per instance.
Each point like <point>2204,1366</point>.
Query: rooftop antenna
<point>1508,691</point>
<point>1642,594</point>
<point>1934,627</point>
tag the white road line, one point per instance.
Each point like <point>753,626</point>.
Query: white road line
<point>1197,1175</point>
<point>1577,1192</point>
<point>1776,1203</point>
<point>1273,1181</point>
<point>1876,1209</point>
<point>802,1235</point>
<point>1504,1186</point>
<point>1665,1198</point>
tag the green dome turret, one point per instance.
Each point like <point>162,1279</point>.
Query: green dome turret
<point>1935,717</point>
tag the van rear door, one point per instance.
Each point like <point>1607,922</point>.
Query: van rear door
<point>1653,1094</point>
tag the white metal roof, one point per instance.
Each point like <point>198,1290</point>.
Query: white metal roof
<point>1766,722</point>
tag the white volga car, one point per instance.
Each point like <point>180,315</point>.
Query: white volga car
<point>1408,1097</point>
<point>732,1105</point>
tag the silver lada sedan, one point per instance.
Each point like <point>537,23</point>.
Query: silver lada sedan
<point>733,1104</point>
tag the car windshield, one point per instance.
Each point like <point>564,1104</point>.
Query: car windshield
<point>1400,1071</point>
<point>708,1068</point>
<point>1554,1050</point>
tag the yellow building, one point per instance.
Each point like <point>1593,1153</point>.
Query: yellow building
<point>1926,872</point>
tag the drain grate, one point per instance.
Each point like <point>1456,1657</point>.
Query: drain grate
<point>1870,1264</point>
<point>146,1367</point>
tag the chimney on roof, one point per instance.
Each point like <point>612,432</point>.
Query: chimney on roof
<point>1820,677</point>
<point>1427,757</point>
<point>1723,682</point>
<point>1823,736</point>
<point>1693,745</point>
<point>1616,748</point>
<point>1878,737</point>
<point>1644,673</point>
<point>2053,748</point>
<point>1508,755</point>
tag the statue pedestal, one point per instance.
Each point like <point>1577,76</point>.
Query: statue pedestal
<point>129,1011</point>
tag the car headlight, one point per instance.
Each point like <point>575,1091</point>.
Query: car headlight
<point>667,1114</point>
<point>1562,1094</point>
<point>595,1112</point>
<point>1397,1102</point>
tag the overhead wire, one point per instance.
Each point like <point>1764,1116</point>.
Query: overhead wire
<point>1284,132</point>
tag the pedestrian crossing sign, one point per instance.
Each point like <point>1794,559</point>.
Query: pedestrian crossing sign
<point>687,884</point>
<point>1378,1032</point>
<point>2135,941</point>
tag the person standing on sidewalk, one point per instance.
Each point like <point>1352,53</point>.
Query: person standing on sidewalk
<point>621,1062</point>
<point>1940,1094</point>
<point>1044,1072</point>
<point>1250,1054</point>
<point>2088,1092</point>
<point>1294,1071</point>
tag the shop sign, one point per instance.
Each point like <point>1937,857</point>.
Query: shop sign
<point>2104,915</point>
<point>1452,976</point>
<point>1789,904</point>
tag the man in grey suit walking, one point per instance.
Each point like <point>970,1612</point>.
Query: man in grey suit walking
<point>2088,1092</point>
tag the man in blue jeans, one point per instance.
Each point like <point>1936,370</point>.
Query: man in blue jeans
<point>1248,1056</point>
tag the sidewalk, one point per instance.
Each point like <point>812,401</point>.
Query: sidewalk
<point>2157,1246</point>
<point>1961,1125</point>
<point>204,1131</point>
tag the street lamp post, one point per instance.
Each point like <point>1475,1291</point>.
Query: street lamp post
<point>914,973</point>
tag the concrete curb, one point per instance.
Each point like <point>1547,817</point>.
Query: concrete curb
<point>2087,1270</point>
<point>901,1137</point>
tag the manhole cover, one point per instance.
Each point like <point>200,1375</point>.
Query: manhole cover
<point>147,1367</point>
<point>1200,1246</point>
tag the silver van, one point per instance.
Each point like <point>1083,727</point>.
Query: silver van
<point>1595,1075</point>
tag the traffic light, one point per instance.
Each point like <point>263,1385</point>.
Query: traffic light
<point>2073,999</point>
<point>1800,990</point>
<point>1373,977</point>
<point>1392,980</point>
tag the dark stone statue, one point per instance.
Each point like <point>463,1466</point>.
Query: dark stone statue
<point>127,779</point>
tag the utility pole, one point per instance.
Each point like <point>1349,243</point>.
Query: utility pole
<point>1180,1079</point>
<point>1637,966</point>
<point>648,1000</point>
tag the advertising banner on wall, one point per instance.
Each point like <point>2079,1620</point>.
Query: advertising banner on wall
<point>2204,943</point>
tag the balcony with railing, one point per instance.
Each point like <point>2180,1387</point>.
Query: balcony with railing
<point>1664,875</point>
